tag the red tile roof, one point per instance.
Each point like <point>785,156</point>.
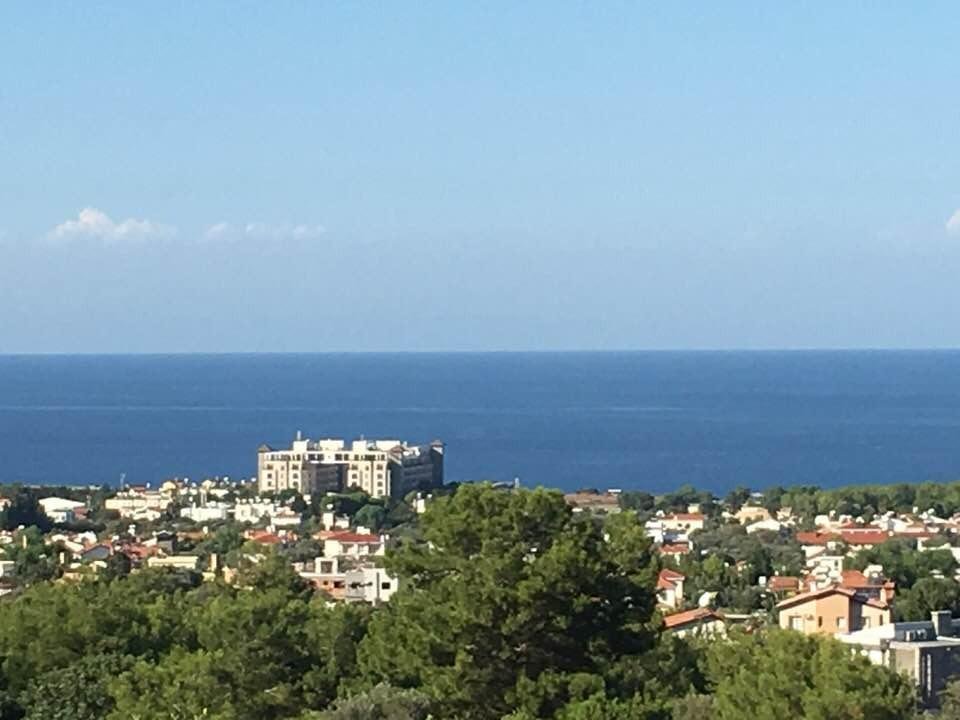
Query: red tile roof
<point>265,538</point>
<point>854,579</point>
<point>851,536</point>
<point>780,583</point>
<point>674,549</point>
<point>688,617</point>
<point>815,538</point>
<point>832,590</point>
<point>668,579</point>
<point>864,536</point>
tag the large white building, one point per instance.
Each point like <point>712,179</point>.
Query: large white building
<point>380,468</point>
<point>61,510</point>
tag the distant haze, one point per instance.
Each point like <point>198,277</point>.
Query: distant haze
<point>451,176</point>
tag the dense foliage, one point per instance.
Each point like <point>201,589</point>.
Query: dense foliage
<point>511,606</point>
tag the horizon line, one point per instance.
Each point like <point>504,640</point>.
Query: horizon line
<point>499,351</point>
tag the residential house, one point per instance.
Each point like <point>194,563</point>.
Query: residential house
<point>370,585</point>
<point>863,538</point>
<point>138,503</point>
<point>351,544</point>
<point>675,550</point>
<point>177,562</point>
<point>769,524</point>
<point>608,502</point>
<point>253,511</point>
<point>670,588</point>
<point>324,574</point>
<point>783,585</point>
<point>284,517</point>
<point>831,611</point>
<point>683,523</point>
<point>62,510</point>
<point>210,512</point>
<point>869,584</point>
<point>749,514</point>
<point>699,621</point>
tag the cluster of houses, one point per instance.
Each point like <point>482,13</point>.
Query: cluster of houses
<point>854,606</point>
<point>348,568</point>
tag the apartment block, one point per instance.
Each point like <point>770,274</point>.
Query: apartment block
<point>380,468</point>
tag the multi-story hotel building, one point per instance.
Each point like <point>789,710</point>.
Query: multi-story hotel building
<point>381,468</point>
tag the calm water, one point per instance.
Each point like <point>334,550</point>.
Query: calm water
<point>631,420</point>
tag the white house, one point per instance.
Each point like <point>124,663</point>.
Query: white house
<point>369,584</point>
<point>769,524</point>
<point>211,512</point>
<point>61,510</point>
<point>178,562</point>
<point>355,545</point>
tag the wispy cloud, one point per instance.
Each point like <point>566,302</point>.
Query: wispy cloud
<point>953,224</point>
<point>262,232</point>
<point>97,225</point>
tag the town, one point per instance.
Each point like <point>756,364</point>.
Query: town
<point>323,505</point>
<point>869,567</point>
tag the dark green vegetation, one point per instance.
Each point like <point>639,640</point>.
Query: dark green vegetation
<point>511,607</point>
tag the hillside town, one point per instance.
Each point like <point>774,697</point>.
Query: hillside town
<point>883,582</point>
<point>837,585</point>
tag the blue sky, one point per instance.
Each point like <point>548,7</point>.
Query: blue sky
<point>454,176</point>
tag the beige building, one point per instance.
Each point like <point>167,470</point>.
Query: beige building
<point>831,611</point>
<point>751,513</point>
<point>380,468</point>
<point>133,502</point>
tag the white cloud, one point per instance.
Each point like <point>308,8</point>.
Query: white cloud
<point>953,224</point>
<point>97,225</point>
<point>263,232</point>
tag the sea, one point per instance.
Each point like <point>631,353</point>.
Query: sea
<point>630,420</point>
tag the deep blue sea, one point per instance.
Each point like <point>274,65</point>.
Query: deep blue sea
<point>649,420</point>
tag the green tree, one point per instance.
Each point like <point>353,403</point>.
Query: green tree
<point>693,706</point>
<point>182,686</point>
<point>737,498</point>
<point>778,674</point>
<point>904,564</point>
<point>510,601</point>
<point>927,595</point>
<point>78,691</point>
<point>118,566</point>
<point>371,516</point>
<point>637,500</point>
<point>24,511</point>
<point>382,702</point>
<point>950,702</point>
